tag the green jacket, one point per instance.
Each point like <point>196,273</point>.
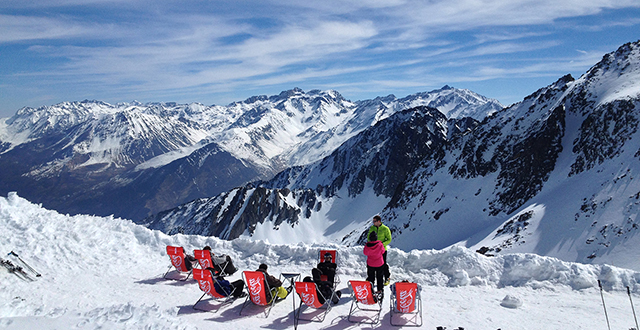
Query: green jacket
<point>384,234</point>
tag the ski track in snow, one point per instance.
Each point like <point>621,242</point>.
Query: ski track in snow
<point>106,273</point>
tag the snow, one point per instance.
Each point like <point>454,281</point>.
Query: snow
<point>170,156</point>
<point>336,218</point>
<point>106,273</point>
<point>528,232</point>
<point>8,135</point>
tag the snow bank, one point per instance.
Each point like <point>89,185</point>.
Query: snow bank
<point>62,244</point>
<point>105,272</point>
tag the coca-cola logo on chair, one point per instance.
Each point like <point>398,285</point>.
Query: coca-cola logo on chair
<point>176,260</point>
<point>255,288</point>
<point>362,292</point>
<point>205,286</point>
<point>405,300</point>
<point>308,298</point>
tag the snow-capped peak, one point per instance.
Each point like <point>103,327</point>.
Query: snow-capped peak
<point>127,142</point>
<point>616,76</point>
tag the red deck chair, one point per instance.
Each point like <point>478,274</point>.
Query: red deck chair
<point>207,285</point>
<point>309,295</point>
<point>176,253</point>
<point>363,295</point>
<point>406,300</point>
<point>334,255</point>
<point>257,288</point>
<point>204,258</point>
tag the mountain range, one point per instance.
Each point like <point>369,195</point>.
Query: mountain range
<point>133,160</point>
<point>555,174</point>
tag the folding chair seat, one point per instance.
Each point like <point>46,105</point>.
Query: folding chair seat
<point>204,258</point>
<point>257,288</point>
<point>310,296</point>
<point>334,255</point>
<point>207,282</point>
<point>176,254</point>
<point>406,300</point>
<point>206,261</point>
<point>222,268</point>
<point>363,295</point>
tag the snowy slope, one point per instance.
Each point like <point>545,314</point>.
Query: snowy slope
<point>553,175</point>
<point>106,273</point>
<point>100,133</point>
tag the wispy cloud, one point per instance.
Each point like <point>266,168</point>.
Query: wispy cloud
<point>30,28</point>
<point>72,48</point>
<point>511,47</point>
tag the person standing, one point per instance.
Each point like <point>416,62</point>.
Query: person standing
<point>384,235</point>
<point>375,263</point>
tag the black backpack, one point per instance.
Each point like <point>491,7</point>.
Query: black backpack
<point>230,268</point>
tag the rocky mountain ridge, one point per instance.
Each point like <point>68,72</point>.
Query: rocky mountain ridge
<point>134,159</point>
<point>554,175</point>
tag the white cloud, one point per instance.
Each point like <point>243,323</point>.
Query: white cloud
<point>511,47</point>
<point>25,28</point>
<point>468,14</point>
<point>160,47</point>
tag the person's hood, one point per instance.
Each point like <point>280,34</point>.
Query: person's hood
<point>372,243</point>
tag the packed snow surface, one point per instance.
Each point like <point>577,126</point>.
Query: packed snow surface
<point>107,273</point>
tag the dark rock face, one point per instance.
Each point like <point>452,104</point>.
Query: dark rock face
<point>521,144</point>
<point>529,162</point>
<point>389,151</point>
<point>603,134</point>
<point>231,214</point>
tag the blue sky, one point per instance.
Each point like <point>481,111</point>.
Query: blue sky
<point>217,52</point>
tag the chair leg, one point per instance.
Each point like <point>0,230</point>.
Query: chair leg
<point>165,274</point>
<point>416,315</point>
<point>267,310</point>
<point>324,315</point>
<point>222,303</point>
<point>169,270</point>
<point>373,320</point>
<point>188,275</point>
<point>351,310</point>
<point>244,303</point>
<point>296,316</point>
<point>194,305</point>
